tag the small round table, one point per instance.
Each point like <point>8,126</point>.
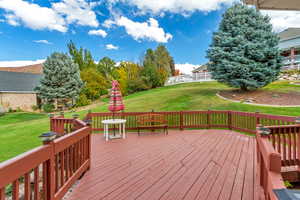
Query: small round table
<point>120,122</point>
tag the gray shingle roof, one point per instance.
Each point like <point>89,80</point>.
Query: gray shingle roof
<point>289,33</point>
<point>18,82</point>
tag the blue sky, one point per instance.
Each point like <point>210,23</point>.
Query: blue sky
<point>31,30</point>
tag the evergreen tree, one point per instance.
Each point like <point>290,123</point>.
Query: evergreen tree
<point>82,57</point>
<point>163,59</point>
<point>244,52</point>
<point>158,66</point>
<point>61,79</point>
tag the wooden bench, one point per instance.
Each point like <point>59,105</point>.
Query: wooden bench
<point>152,121</point>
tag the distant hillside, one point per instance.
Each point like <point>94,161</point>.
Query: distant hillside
<point>33,69</point>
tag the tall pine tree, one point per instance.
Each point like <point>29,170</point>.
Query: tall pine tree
<point>244,52</point>
<point>61,79</point>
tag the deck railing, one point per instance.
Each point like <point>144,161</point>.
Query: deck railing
<point>47,172</point>
<point>269,168</point>
<point>241,121</point>
<point>286,141</point>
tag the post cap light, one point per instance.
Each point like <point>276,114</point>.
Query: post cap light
<point>264,131</point>
<point>297,120</point>
<point>48,136</point>
<point>75,116</point>
<point>88,121</point>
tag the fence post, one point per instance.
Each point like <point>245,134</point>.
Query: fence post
<point>208,118</point>
<point>230,120</point>
<point>181,120</point>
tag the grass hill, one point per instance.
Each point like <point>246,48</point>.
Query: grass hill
<point>19,131</point>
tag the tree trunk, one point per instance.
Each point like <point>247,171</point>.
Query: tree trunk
<point>244,88</point>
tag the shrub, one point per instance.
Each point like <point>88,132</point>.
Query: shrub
<point>83,100</point>
<point>19,109</point>
<point>34,107</point>
<point>48,107</point>
<point>136,85</point>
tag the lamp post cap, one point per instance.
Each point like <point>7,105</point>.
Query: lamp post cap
<point>75,115</point>
<point>48,136</point>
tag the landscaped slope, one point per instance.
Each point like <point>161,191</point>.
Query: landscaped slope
<point>19,132</point>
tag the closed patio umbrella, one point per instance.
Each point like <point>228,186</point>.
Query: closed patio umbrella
<point>116,102</point>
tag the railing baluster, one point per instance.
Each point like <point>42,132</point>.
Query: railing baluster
<point>36,183</point>
<point>62,168</point>
<point>16,188</point>
<point>27,189</point>
<point>2,193</point>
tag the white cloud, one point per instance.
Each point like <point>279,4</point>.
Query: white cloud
<point>186,68</point>
<point>77,11</point>
<point>99,32</point>
<point>42,41</point>
<point>32,15</point>
<point>111,47</point>
<point>12,20</point>
<point>283,19</point>
<point>144,30</point>
<point>19,63</point>
<point>108,23</point>
<point>176,6</point>
<point>57,17</point>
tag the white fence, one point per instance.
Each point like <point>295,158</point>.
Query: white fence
<point>196,77</point>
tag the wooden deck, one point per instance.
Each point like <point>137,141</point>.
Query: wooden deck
<point>197,164</point>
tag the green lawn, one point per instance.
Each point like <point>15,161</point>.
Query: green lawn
<point>19,131</point>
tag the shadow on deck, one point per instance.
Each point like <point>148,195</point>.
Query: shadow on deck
<point>197,164</point>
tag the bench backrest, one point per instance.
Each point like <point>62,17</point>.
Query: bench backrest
<point>150,119</point>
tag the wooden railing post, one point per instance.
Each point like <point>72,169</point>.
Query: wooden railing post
<point>257,118</point>
<point>298,149</point>
<point>230,120</point>
<point>181,120</point>
<point>275,162</point>
<point>208,118</point>
<point>51,116</point>
<point>50,172</point>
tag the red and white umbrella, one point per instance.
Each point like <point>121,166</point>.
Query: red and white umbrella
<point>116,102</point>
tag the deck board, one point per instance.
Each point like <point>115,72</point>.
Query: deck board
<point>194,164</point>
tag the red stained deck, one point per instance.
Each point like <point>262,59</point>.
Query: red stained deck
<point>197,164</point>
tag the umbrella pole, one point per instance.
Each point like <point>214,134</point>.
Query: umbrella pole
<point>114,124</point>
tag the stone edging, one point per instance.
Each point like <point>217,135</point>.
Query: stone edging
<point>256,104</point>
<point>292,83</point>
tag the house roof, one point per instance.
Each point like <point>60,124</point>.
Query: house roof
<point>18,82</point>
<point>289,33</point>
<point>200,68</point>
<point>34,69</point>
<point>275,4</point>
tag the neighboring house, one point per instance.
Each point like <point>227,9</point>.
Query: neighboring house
<point>33,69</point>
<point>290,46</point>
<point>201,73</point>
<point>17,90</point>
<point>275,4</point>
